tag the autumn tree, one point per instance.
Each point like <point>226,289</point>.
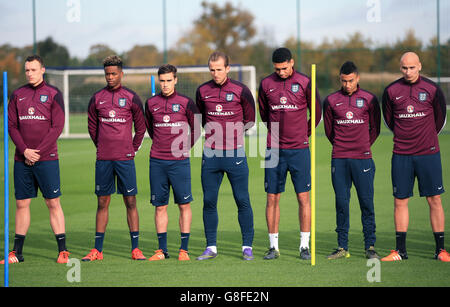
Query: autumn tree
<point>226,28</point>
<point>97,53</point>
<point>53,53</point>
<point>143,55</point>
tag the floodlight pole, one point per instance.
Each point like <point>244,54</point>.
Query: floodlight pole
<point>164,31</point>
<point>299,64</point>
<point>438,70</point>
<point>34,27</point>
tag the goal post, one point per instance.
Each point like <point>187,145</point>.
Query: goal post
<point>79,84</point>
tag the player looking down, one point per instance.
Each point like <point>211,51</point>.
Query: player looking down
<point>35,121</point>
<point>414,110</point>
<point>351,119</point>
<point>171,123</point>
<point>112,111</point>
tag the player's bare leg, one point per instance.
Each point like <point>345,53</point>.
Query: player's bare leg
<point>273,222</point>
<point>57,221</point>
<point>185,221</point>
<point>437,216</point>
<point>133,225</point>
<point>161,219</point>
<point>22,216</point>
<point>304,211</point>
<point>401,221</point>
<point>185,218</point>
<point>21,229</point>
<point>304,217</point>
<point>401,214</point>
<point>273,212</point>
<point>102,213</point>
<point>161,222</point>
<point>132,213</point>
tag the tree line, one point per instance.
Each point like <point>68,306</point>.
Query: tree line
<point>232,30</point>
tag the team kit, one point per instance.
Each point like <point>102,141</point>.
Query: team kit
<point>412,107</point>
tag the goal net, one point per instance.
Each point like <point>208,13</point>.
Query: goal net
<point>79,84</point>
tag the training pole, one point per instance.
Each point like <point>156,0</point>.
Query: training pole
<point>313,164</point>
<point>152,78</point>
<point>6,175</point>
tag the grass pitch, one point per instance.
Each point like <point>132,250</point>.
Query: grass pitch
<point>77,163</point>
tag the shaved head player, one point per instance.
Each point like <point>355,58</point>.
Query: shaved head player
<point>414,110</point>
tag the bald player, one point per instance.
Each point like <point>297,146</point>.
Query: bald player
<point>414,110</point>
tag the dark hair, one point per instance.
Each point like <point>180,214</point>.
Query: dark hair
<point>216,55</point>
<point>35,57</point>
<point>281,55</point>
<point>113,60</point>
<point>348,68</point>
<point>166,69</point>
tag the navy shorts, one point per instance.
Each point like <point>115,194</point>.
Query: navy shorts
<point>167,173</point>
<point>296,161</point>
<point>43,175</point>
<point>106,173</point>
<point>427,169</point>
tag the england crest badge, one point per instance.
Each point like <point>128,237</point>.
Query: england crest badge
<point>122,102</point>
<point>229,97</point>
<point>360,102</point>
<point>175,107</point>
<point>295,87</point>
<point>422,96</point>
<point>43,98</point>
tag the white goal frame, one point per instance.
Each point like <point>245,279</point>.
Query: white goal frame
<point>66,73</point>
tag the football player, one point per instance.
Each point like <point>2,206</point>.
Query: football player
<point>351,119</point>
<point>112,111</point>
<point>284,99</point>
<point>35,121</point>
<point>173,126</point>
<point>228,110</point>
<point>414,110</point>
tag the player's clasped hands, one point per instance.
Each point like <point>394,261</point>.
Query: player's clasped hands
<point>31,156</point>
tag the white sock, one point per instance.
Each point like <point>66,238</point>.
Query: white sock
<point>304,239</point>
<point>273,238</point>
<point>244,247</point>
<point>213,248</point>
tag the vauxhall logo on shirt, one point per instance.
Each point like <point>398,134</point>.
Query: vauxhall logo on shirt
<point>349,115</point>
<point>167,123</point>
<point>219,111</point>
<point>112,118</point>
<point>283,105</point>
<point>410,113</point>
<point>30,116</point>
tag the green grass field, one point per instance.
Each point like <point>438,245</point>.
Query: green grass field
<point>77,161</point>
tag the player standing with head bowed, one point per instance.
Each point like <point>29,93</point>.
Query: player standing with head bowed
<point>414,110</point>
<point>111,114</point>
<point>228,110</point>
<point>352,124</point>
<point>284,99</point>
<point>36,120</point>
<point>174,128</point>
